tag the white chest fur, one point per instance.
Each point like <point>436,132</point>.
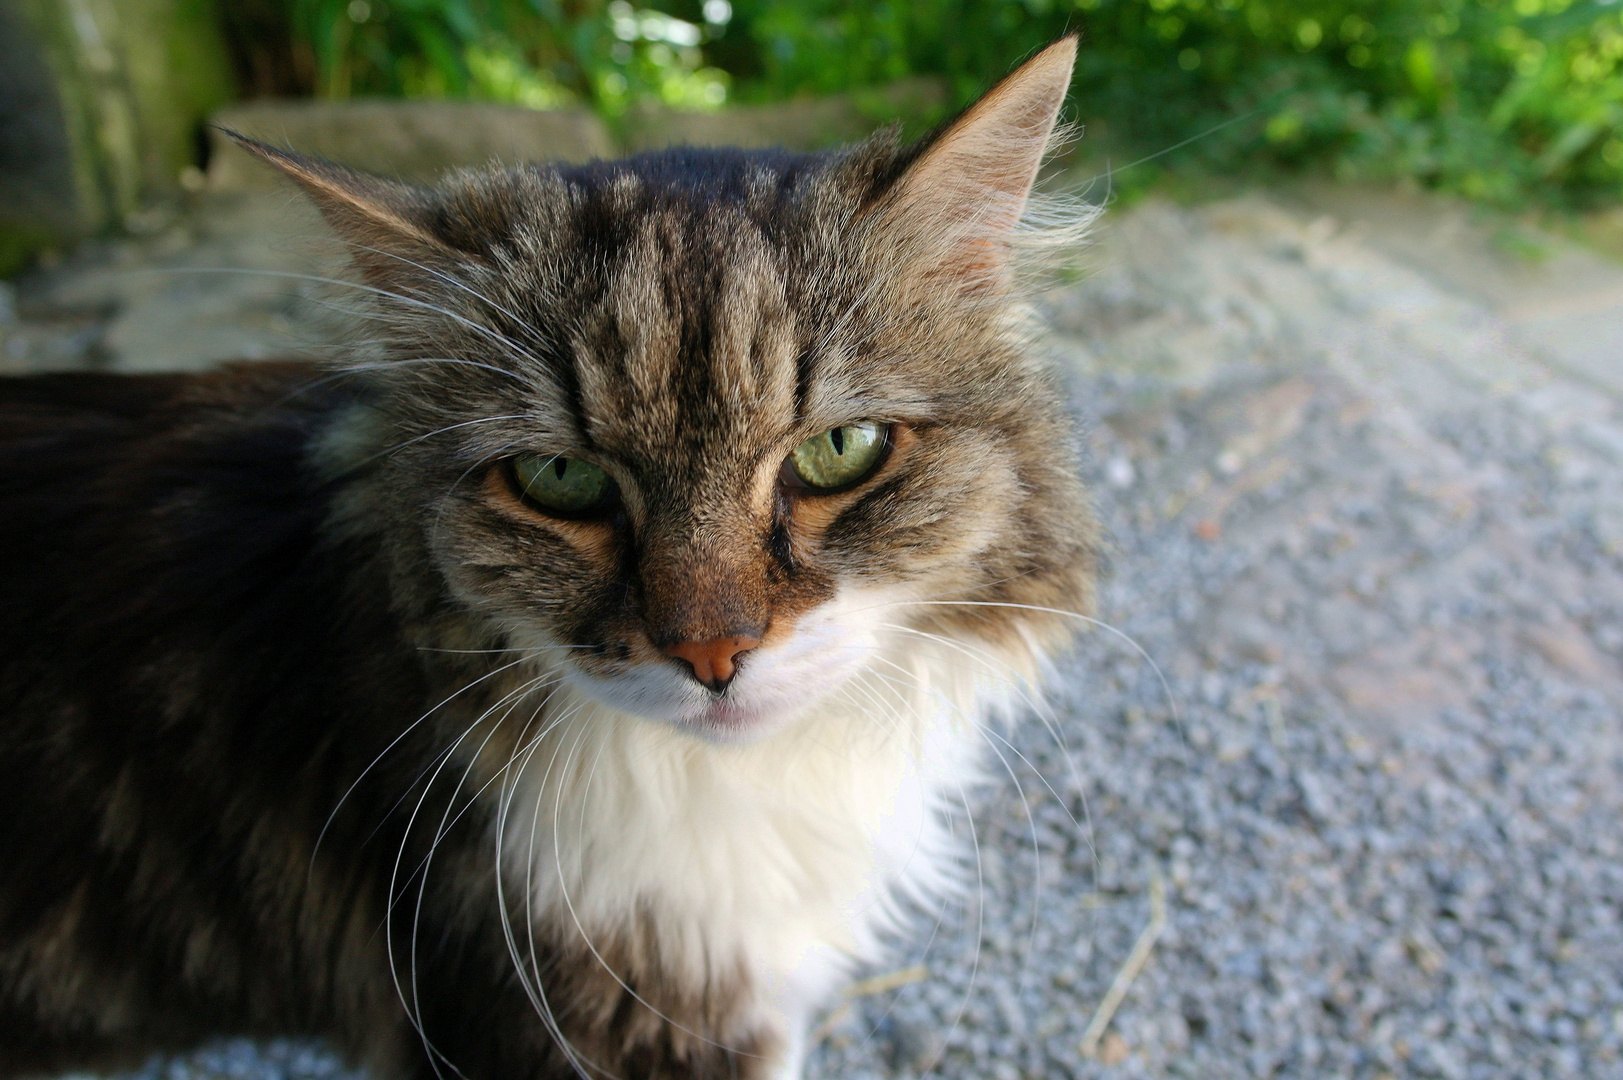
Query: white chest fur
<point>783,859</point>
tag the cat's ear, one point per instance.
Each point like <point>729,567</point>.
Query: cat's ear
<point>964,193</point>
<point>387,224</point>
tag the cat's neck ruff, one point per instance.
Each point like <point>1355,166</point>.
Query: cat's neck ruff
<point>784,860</point>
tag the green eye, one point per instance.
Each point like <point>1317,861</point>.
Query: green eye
<point>563,485</point>
<point>839,457</point>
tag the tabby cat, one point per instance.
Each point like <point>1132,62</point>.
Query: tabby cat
<point>574,683</point>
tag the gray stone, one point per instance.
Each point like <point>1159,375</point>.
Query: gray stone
<point>914,1046</point>
<point>100,105</point>
<point>807,124</point>
<point>410,140</point>
<point>40,202</point>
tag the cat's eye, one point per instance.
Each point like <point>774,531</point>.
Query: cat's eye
<point>566,486</point>
<point>839,457</point>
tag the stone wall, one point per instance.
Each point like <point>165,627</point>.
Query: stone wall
<point>418,140</point>
<point>406,140</point>
<point>101,103</point>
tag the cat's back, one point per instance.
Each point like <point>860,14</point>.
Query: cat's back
<point>180,640</point>
<point>164,524</point>
<point>159,534</point>
<point>77,425</point>
<point>107,478</point>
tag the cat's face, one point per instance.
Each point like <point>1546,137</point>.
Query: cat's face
<point>708,428</point>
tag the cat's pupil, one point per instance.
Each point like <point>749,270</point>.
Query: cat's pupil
<point>574,486</point>
<point>839,456</point>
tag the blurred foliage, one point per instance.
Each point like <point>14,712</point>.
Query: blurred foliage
<point>540,53</point>
<point>1507,101</point>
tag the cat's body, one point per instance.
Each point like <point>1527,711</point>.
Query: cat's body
<point>537,697</point>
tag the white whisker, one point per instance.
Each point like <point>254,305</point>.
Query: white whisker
<point>1166,687</point>
<point>478,328</point>
<point>1038,706</point>
<point>980,923</point>
<point>458,284</point>
<point>569,904</point>
<point>535,993</point>
<point>411,1005</point>
<point>892,712</point>
<point>529,868</point>
<point>445,501</point>
<point>534,989</point>
<point>1031,818</point>
<point>392,744</point>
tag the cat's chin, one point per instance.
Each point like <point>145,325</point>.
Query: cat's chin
<point>731,717</point>
<point>776,686</point>
<point>722,720</point>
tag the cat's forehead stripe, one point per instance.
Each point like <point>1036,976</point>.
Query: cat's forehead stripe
<point>694,329</point>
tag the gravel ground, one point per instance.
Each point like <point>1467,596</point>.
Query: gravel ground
<point>1367,521</point>
<point>1372,537</point>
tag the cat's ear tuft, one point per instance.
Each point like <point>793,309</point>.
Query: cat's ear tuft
<point>373,214</point>
<point>967,188</point>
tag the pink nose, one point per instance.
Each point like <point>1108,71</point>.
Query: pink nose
<point>712,661</point>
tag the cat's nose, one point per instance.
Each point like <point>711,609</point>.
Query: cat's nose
<point>713,662</point>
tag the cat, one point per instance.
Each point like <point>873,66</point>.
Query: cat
<point>575,682</point>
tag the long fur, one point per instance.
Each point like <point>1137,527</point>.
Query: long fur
<point>315,722</point>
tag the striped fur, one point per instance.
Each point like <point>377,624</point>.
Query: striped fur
<point>316,725</point>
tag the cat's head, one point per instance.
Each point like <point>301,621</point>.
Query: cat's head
<point>707,427</point>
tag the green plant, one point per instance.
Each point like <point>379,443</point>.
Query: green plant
<point>540,53</point>
<point>1507,101</point>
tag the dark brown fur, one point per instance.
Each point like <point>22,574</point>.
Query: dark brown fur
<point>194,678</point>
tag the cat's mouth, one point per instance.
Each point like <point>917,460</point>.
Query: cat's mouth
<point>752,706</point>
<point>774,685</point>
<point>726,718</point>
